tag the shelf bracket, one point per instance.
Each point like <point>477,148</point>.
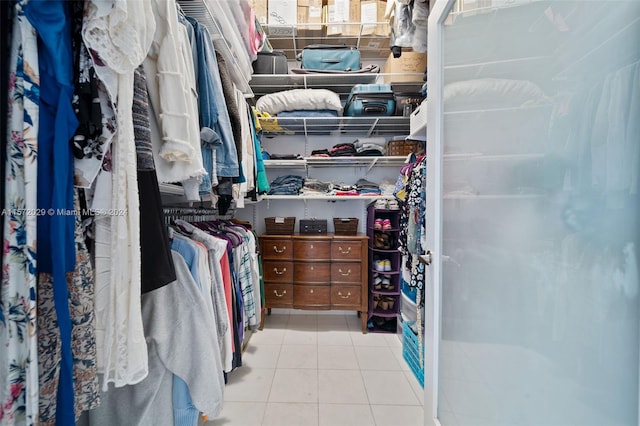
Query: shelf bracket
<point>373,126</point>
<point>374,161</point>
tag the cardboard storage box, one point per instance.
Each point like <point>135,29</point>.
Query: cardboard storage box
<point>342,17</point>
<point>408,63</point>
<point>283,17</point>
<point>372,11</point>
<point>260,9</point>
<point>309,15</point>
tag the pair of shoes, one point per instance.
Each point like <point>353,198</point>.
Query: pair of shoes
<point>382,224</point>
<point>382,281</point>
<point>376,301</point>
<point>386,303</point>
<point>382,265</point>
<point>393,205</point>
<point>380,204</point>
<point>383,204</point>
<point>383,241</point>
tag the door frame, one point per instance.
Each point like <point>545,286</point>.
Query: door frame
<point>433,221</point>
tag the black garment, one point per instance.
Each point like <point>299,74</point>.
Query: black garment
<point>155,249</point>
<point>6,23</point>
<point>86,102</point>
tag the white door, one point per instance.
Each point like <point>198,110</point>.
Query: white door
<point>533,213</point>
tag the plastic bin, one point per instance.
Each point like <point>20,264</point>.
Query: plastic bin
<point>411,353</point>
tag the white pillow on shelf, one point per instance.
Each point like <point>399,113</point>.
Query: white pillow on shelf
<point>299,99</point>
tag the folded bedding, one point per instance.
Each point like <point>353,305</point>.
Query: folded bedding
<point>300,99</point>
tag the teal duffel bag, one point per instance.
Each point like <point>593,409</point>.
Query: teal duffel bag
<point>330,57</point>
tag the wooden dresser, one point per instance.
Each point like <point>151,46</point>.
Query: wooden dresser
<point>316,272</point>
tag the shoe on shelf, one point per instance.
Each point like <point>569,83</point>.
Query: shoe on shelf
<point>386,225</point>
<point>386,265</point>
<point>393,205</point>
<point>380,265</point>
<point>377,224</point>
<point>376,301</point>
<point>389,302</point>
<point>381,204</point>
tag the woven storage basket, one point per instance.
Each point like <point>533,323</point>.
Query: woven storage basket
<point>403,147</point>
<point>280,225</point>
<point>345,225</point>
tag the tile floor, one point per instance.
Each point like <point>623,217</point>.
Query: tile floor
<point>320,370</point>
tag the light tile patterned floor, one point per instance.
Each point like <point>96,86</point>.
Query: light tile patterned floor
<point>320,370</point>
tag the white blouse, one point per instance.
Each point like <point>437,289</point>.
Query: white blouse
<point>175,128</point>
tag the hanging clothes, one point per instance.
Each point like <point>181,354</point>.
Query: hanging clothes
<point>184,411</point>
<point>221,288</point>
<point>262,182</point>
<point>18,358</point>
<point>175,133</point>
<point>88,149</point>
<point>83,339</point>
<point>155,254</point>
<point>6,21</point>
<point>227,164</point>
<point>122,351</point>
<point>52,22</point>
<point>249,157</point>
<point>172,317</point>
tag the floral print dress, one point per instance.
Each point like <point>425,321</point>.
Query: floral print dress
<point>18,355</point>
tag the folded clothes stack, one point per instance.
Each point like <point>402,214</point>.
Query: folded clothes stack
<point>368,149</point>
<point>342,150</point>
<point>342,190</point>
<point>316,187</point>
<point>320,153</point>
<point>365,187</point>
<point>286,185</point>
<point>285,157</point>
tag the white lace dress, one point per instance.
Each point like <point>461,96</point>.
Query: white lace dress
<point>119,34</point>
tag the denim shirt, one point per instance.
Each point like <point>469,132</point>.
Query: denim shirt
<point>213,110</point>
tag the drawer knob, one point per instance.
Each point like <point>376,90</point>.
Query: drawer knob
<point>311,291</point>
<point>311,268</point>
<point>310,246</point>
<point>345,274</point>
<point>344,297</point>
<point>343,251</point>
<point>279,295</point>
<point>275,248</point>
<point>279,272</point>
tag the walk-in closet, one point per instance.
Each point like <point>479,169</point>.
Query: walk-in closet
<point>320,212</point>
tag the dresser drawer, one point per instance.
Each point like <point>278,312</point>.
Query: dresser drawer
<point>312,272</point>
<point>347,272</point>
<point>277,248</point>
<point>278,295</point>
<point>345,296</point>
<point>308,249</point>
<point>277,270</point>
<point>346,250</point>
<point>311,297</point>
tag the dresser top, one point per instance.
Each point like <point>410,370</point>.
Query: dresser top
<point>316,237</point>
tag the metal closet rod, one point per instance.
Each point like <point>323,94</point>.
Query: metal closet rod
<point>196,213</point>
